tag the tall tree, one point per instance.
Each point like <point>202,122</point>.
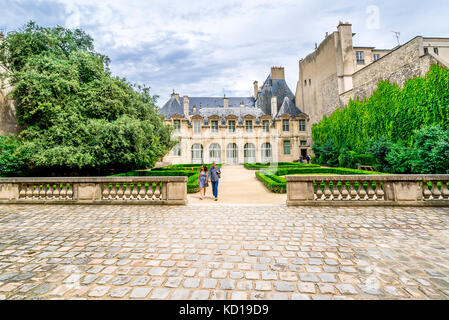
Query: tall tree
<point>76,117</point>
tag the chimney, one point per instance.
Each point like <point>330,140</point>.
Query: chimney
<point>274,106</point>
<point>242,104</point>
<point>256,89</point>
<point>176,95</point>
<point>186,105</point>
<point>277,73</point>
<point>225,102</point>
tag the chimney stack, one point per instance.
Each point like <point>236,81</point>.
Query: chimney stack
<point>176,95</point>
<point>225,102</point>
<point>277,73</point>
<point>274,106</point>
<point>186,106</point>
<point>256,89</point>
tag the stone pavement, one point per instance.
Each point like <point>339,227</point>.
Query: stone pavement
<point>223,252</point>
<point>239,185</point>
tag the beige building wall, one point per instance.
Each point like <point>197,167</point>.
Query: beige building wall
<point>241,137</point>
<point>8,117</point>
<point>331,76</point>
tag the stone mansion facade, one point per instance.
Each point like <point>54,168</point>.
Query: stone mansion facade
<point>265,128</point>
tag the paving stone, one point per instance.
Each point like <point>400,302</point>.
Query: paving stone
<point>298,296</point>
<point>159,293</point>
<point>139,293</point>
<point>239,295</point>
<point>99,291</point>
<point>156,271</point>
<point>346,289</point>
<point>180,294</point>
<point>269,275</point>
<point>191,283</point>
<point>308,277</point>
<point>321,297</point>
<point>371,290</point>
<point>263,286</point>
<point>200,295</point>
<point>236,275</point>
<point>284,286</point>
<point>227,284</point>
<point>325,277</point>
<point>276,296</point>
<point>140,281</point>
<point>89,279</point>
<point>120,280</point>
<point>306,287</point>
<point>119,292</point>
<point>209,283</point>
<point>173,282</point>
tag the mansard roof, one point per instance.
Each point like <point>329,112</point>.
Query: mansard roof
<point>288,107</point>
<point>218,102</point>
<point>273,87</point>
<point>222,113</point>
<point>171,108</point>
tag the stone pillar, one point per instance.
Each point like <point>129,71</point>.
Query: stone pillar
<point>256,89</point>
<point>186,106</point>
<point>225,102</point>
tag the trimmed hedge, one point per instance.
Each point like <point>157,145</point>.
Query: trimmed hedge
<point>257,166</point>
<point>270,182</point>
<point>336,171</point>
<point>190,170</point>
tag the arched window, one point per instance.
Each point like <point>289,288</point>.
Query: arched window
<point>266,152</point>
<point>232,153</point>
<point>215,153</point>
<point>249,152</point>
<point>197,153</point>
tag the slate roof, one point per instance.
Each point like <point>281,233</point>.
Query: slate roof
<point>239,112</point>
<point>270,88</point>
<point>218,102</point>
<point>171,108</point>
<point>288,107</point>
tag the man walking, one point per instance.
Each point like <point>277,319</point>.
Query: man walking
<point>214,176</point>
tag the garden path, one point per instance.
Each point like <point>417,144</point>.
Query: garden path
<point>239,186</point>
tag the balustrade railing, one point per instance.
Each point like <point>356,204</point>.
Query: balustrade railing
<point>421,190</point>
<point>96,190</point>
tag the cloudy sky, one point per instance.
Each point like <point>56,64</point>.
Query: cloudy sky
<point>216,47</point>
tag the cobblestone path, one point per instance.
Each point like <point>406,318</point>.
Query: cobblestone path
<point>223,252</point>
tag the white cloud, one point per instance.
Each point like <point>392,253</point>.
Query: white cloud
<point>213,47</point>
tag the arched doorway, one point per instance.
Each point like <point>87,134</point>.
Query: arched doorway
<point>249,152</point>
<point>215,153</point>
<point>232,153</point>
<point>197,153</point>
<point>267,155</point>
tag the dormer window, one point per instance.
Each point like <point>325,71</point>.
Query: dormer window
<point>214,125</point>
<point>177,125</point>
<point>249,125</point>
<point>231,125</point>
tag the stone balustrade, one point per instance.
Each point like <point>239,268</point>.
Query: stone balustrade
<point>368,190</point>
<point>95,190</point>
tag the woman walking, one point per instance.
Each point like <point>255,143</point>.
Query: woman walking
<point>203,181</point>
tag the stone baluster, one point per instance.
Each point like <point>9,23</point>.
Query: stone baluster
<point>362,192</point>
<point>69,192</point>
<point>120,192</point>
<point>29,191</point>
<point>327,190</point>
<point>158,192</point>
<point>319,192</point>
<point>427,194</point>
<point>444,190</point>
<point>344,191</point>
<point>352,191</point>
<point>380,194</point>
<point>142,191</point>
<point>150,191</point>
<point>436,193</point>
<point>42,191</point>
<point>57,192</point>
<point>63,193</point>
<point>134,192</point>
<point>106,191</point>
<point>23,191</point>
<point>127,192</point>
<point>335,191</point>
<point>370,192</point>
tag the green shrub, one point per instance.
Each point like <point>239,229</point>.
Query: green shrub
<point>12,158</point>
<point>272,185</point>
<point>348,159</point>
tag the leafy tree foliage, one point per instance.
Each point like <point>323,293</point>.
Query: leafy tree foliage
<point>76,118</point>
<point>404,129</point>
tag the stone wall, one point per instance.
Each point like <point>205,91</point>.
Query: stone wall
<point>400,65</point>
